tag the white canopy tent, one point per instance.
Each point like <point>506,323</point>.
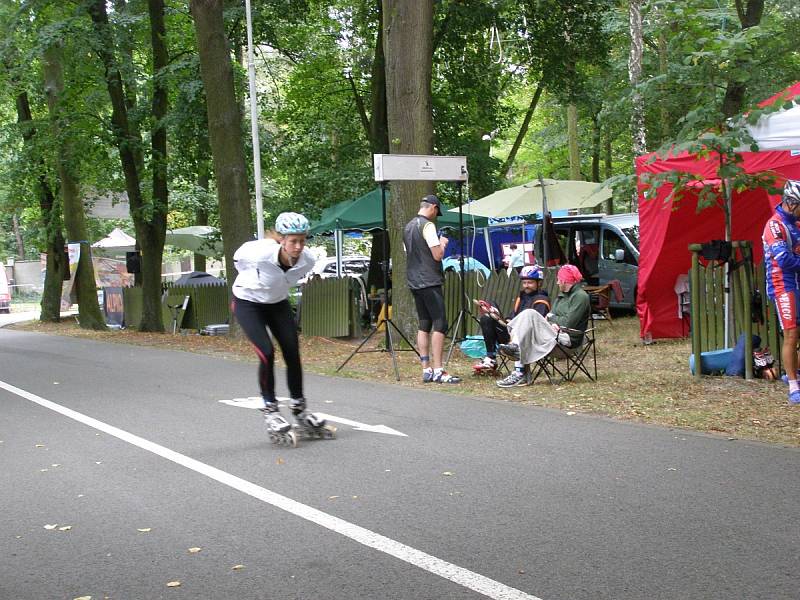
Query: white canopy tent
<point>116,243</point>
<point>779,130</point>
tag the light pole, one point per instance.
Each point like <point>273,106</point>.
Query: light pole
<point>251,75</point>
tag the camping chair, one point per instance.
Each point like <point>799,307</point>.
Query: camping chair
<point>564,363</point>
<point>600,300</point>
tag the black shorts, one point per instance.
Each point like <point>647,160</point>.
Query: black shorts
<point>430,308</point>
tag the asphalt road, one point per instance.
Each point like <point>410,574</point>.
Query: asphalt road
<point>512,501</point>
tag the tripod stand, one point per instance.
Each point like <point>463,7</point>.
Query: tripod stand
<point>459,326</point>
<point>388,324</point>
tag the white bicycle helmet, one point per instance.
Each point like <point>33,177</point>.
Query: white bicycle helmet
<point>531,272</point>
<point>289,223</point>
<point>791,192</point>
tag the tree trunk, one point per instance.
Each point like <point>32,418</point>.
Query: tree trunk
<point>51,223</point>
<point>224,129</point>
<point>639,134</point>
<point>18,237</point>
<point>89,314</point>
<point>379,128</point>
<point>573,144</point>
<point>596,146</point>
<point>609,169</point>
<point>663,67</point>
<point>749,16</point>
<point>129,148</point>
<point>155,228</point>
<point>408,44</point>
<point>523,131</point>
<point>379,142</point>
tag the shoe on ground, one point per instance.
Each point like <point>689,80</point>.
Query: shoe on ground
<point>486,364</point>
<point>427,375</point>
<point>785,377</point>
<point>794,397</point>
<point>515,378</point>
<point>445,377</point>
<point>511,350</point>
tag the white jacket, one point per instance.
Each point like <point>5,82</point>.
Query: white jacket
<point>260,278</point>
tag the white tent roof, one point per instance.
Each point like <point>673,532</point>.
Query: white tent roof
<point>116,242</point>
<point>779,130</point>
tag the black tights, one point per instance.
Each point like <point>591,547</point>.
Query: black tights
<point>493,334</point>
<point>254,319</point>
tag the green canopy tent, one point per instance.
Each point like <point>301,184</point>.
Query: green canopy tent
<point>366,214</point>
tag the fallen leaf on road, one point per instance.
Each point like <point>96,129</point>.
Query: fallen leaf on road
<point>83,598</point>
<point>55,465</point>
<point>448,473</point>
<point>194,550</point>
<point>51,526</point>
<point>145,529</point>
<point>174,584</point>
<point>39,446</point>
<point>332,497</point>
<point>237,567</point>
<point>65,528</point>
<point>42,470</point>
<point>280,461</point>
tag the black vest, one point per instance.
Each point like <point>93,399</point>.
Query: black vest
<point>422,270</point>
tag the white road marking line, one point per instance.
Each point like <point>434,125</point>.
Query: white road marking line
<point>257,402</point>
<point>459,575</point>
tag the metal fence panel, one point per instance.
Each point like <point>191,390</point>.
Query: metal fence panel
<point>325,308</point>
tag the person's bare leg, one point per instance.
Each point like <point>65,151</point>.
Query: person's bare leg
<point>789,352</point>
<point>437,349</point>
<point>422,347</point>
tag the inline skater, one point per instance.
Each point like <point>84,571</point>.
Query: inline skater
<point>268,268</point>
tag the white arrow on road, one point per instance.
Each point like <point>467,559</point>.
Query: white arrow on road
<point>257,402</point>
<point>362,426</point>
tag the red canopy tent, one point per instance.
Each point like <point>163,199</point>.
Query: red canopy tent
<point>667,230</point>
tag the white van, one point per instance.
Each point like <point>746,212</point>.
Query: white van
<point>603,247</point>
<point>5,291</point>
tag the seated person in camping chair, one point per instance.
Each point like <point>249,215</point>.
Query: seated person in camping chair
<point>493,327</point>
<point>534,337</point>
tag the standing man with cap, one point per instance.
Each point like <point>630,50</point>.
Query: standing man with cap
<point>782,264</point>
<point>424,252</point>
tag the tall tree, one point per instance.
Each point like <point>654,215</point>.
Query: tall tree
<point>224,128</point>
<point>89,314</point>
<point>149,217</point>
<point>638,130</point>
<point>408,45</point>
<point>50,211</point>
<point>749,13</point>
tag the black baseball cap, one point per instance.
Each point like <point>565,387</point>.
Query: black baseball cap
<point>433,199</point>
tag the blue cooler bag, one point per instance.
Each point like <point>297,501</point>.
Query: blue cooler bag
<point>474,346</point>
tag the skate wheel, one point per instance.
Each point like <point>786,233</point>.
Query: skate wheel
<point>329,432</point>
<point>290,439</point>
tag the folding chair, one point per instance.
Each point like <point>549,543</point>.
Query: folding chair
<point>563,363</point>
<point>600,299</point>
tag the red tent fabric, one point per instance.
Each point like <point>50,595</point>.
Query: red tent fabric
<point>665,230</point>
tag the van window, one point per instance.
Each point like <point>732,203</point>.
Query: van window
<point>632,233</point>
<point>611,243</point>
